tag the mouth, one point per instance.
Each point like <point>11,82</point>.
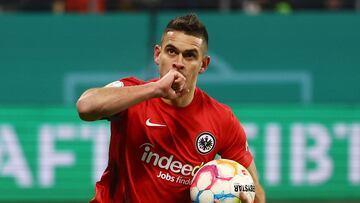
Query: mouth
<point>175,87</point>
<point>182,73</point>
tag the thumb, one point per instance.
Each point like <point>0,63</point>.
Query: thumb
<point>244,198</point>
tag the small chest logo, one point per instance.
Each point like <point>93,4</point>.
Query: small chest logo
<point>205,142</point>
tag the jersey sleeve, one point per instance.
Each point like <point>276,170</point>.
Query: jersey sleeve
<point>128,81</point>
<point>235,146</point>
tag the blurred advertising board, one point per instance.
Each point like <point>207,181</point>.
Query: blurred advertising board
<point>301,152</point>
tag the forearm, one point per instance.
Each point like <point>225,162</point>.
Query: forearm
<point>259,191</point>
<point>103,102</point>
<point>259,194</point>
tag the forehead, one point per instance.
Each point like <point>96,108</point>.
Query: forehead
<point>182,40</point>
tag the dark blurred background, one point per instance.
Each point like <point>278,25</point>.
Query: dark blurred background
<point>102,6</point>
<point>290,70</point>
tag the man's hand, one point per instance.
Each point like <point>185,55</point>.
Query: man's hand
<point>104,102</point>
<point>172,85</point>
<point>243,198</point>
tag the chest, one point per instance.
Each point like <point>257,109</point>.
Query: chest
<point>189,136</point>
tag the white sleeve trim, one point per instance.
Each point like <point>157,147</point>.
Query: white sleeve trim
<point>115,84</point>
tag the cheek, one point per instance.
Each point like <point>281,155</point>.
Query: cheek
<point>195,68</point>
<point>164,60</point>
<point>163,67</point>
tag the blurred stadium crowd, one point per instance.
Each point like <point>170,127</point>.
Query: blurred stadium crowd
<point>100,6</point>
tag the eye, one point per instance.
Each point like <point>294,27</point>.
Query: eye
<point>171,51</point>
<point>190,55</point>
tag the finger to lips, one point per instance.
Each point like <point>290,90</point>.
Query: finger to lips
<point>178,84</point>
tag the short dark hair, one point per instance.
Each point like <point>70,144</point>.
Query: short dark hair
<point>190,25</point>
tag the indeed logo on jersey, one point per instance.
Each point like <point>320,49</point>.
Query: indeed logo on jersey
<point>168,163</point>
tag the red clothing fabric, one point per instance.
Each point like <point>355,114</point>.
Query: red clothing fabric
<point>84,6</point>
<point>155,148</point>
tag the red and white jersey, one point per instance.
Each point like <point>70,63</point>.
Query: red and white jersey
<point>155,148</point>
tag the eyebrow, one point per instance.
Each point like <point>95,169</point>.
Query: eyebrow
<point>170,46</point>
<point>185,51</point>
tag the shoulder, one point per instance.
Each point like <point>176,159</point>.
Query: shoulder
<point>219,113</point>
<point>129,81</point>
<point>212,104</point>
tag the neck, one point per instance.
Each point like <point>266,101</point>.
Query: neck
<point>182,101</point>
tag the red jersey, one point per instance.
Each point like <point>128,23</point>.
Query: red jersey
<point>155,148</point>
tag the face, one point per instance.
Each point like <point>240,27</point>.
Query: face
<point>185,53</point>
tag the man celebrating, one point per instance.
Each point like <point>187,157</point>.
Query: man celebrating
<point>164,129</point>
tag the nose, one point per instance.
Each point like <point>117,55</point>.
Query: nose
<point>178,66</point>
<point>178,63</point>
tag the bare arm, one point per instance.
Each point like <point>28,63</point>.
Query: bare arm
<point>259,191</point>
<point>97,103</point>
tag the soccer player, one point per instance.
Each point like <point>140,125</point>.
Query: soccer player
<point>164,129</point>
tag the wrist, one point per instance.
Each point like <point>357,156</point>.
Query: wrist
<point>154,92</point>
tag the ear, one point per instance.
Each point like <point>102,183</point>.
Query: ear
<point>204,64</point>
<point>157,50</point>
